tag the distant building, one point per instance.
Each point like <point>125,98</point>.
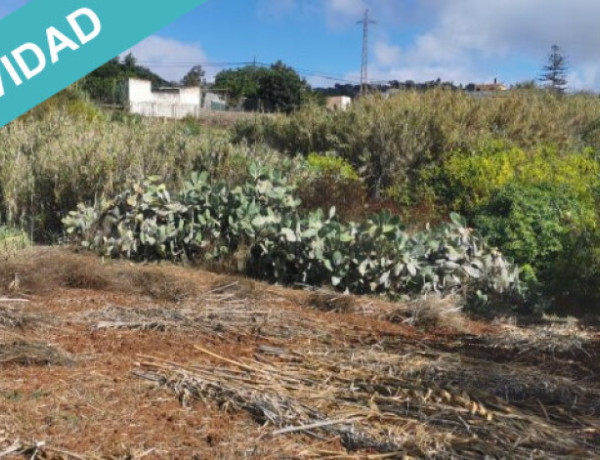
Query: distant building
<point>339,102</point>
<point>486,87</point>
<point>213,101</point>
<point>174,103</point>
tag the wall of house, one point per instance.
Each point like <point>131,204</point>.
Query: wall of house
<point>174,103</point>
<point>191,95</point>
<point>338,102</point>
<point>164,110</point>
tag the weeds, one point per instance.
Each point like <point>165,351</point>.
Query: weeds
<point>51,163</point>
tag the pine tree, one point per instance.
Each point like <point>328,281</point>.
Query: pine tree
<point>554,73</point>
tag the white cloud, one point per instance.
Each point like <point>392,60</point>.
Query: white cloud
<point>346,7</point>
<point>169,58</point>
<point>528,26</point>
<point>387,54</point>
<point>343,14</point>
<point>473,40</point>
<point>424,72</point>
<point>585,78</point>
<point>470,40</point>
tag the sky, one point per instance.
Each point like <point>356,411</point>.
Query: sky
<point>461,41</point>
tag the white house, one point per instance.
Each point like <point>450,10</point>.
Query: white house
<point>174,103</point>
<point>339,102</point>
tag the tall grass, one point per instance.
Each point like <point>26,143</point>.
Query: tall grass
<point>11,241</point>
<point>54,160</point>
<point>389,139</point>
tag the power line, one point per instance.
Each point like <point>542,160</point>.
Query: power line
<point>218,65</point>
<point>325,75</point>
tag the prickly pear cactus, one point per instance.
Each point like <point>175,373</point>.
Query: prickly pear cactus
<point>212,221</point>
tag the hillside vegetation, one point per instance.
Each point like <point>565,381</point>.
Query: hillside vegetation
<point>522,169</point>
<point>403,226</point>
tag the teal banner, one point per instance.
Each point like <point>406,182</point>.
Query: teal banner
<point>47,45</point>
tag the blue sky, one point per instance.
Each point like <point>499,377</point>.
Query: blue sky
<point>457,40</point>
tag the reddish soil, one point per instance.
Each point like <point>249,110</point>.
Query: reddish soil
<point>96,407</point>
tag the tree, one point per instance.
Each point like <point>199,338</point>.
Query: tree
<point>103,84</point>
<point>554,73</point>
<point>277,88</point>
<point>281,89</point>
<point>195,77</point>
<point>130,61</point>
<point>240,84</point>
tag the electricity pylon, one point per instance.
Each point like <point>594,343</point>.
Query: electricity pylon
<point>364,70</point>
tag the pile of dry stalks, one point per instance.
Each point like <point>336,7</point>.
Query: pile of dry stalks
<point>376,401</point>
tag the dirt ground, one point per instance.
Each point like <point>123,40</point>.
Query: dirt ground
<point>105,359</point>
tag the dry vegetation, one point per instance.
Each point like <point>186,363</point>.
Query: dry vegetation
<point>104,359</point>
<point>48,165</point>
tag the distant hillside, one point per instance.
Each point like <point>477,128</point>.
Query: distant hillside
<point>102,84</point>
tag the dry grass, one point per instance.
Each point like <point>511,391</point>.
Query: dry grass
<point>26,353</point>
<point>220,315</point>
<point>432,311</point>
<point>228,119</point>
<point>552,338</point>
<point>14,318</point>
<point>375,401</point>
<point>225,367</point>
<point>151,319</point>
<point>42,270</point>
<point>332,301</point>
<point>391,140</point>
<point>11,242</point>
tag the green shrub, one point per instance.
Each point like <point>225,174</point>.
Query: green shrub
<point>467,180</point>
<point>576,271</point>
<point>539,207</point>
<point>331,165</point>
<point>548,227</point>
<point>72,101</point>
<point>529,222</point>
<point>330,181</point>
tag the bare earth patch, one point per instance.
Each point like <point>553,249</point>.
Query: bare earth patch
<point>122,361</point>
